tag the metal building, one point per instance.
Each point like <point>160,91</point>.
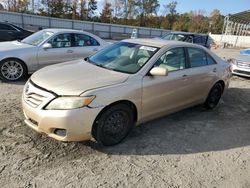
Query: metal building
<point>237,24</point>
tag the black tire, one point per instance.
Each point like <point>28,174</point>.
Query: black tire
<point>214,96</point>
<point>12,70</point>
<point>114,124</point>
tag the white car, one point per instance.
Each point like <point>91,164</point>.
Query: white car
<point>46,47</point>
<point>241,63</point>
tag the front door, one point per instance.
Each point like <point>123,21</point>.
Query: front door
<point>165,94</point>
<point>61,51</point>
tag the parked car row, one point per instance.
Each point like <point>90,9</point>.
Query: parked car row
<point>45,47</point>
<point>103,90</point>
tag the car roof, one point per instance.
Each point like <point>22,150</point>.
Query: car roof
<point>185,33</point>
<point>160,43</point>
<point>58,30</point>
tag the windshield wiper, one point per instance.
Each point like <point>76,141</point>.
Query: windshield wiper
<point>101,65</point>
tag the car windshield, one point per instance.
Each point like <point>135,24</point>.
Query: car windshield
<point>37,38</point>
<point>123,57</point>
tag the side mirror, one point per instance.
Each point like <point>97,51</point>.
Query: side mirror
<point>159,71</point>
<point>47,46</point>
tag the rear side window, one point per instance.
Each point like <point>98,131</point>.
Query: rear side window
<point>84,40</point>
<point>200,39</point>
<point>210,60</point>
<point>199,58</point>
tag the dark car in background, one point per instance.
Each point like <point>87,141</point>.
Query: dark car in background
<point>9,32</point>
<point>196,38</point>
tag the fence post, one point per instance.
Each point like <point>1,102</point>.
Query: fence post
<point>49,22</point>
<point>22,20</point>
<point>110,35</point>
<point>93,27</point>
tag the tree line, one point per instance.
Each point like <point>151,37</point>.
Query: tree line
<point>128,12</point>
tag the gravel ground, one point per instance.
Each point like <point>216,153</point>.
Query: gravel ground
<point>191,148</point>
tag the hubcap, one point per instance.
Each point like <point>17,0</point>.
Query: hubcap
<point>12,70</point>
<point>115,125</point>
<point>215,96</point>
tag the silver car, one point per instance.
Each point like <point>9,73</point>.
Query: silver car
<point>241,63</point>
<point>46,47</point>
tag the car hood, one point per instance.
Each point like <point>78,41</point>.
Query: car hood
<point>13,45</point>
<point>75,77</point>
<point>245,52</point>
<point>243,58</point>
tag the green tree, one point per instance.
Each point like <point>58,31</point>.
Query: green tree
<point>216,21</point>
<point>106,13</point>
<point>198,22</point>
<point>171,13</point>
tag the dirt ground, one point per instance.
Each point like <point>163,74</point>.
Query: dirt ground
<point>191,148</point>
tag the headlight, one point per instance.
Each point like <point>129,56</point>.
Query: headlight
<point>67,103</point>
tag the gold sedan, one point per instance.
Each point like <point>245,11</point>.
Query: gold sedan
<point>127,83</point>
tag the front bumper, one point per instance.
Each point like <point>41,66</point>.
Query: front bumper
<point>240,71</point>
<point>76,123</point>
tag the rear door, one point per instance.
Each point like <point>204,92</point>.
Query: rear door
<point>84,45</point>
<point>202,73</point>
<point>61,50</point>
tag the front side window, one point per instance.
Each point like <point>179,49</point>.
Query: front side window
<point>61,41</point>
<point>123,57</point>
<point>197,57</point>
<point>173,60</point>
<point>37,38</point>
<point>84,40</point>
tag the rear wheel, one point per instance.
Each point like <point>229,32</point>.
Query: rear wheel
<point>12,70</point>
<point>114,124</point>
<point>214,96</point>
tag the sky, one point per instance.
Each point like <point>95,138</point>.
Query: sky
<point>225,6</point>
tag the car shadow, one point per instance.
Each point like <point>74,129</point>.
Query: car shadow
<point>193,130</point>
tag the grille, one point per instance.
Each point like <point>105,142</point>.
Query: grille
<point>242,72</point>
<point>35,96</point>
<point>244,65</point>
<point>34,99</point>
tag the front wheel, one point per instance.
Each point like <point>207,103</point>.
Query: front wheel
<point>114,125</point>
<point>12,70</point>
<point>214,96</point>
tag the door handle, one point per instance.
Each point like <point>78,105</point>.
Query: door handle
<point>95,49</point>
<point>70,51</point>
<point>214,70</point>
